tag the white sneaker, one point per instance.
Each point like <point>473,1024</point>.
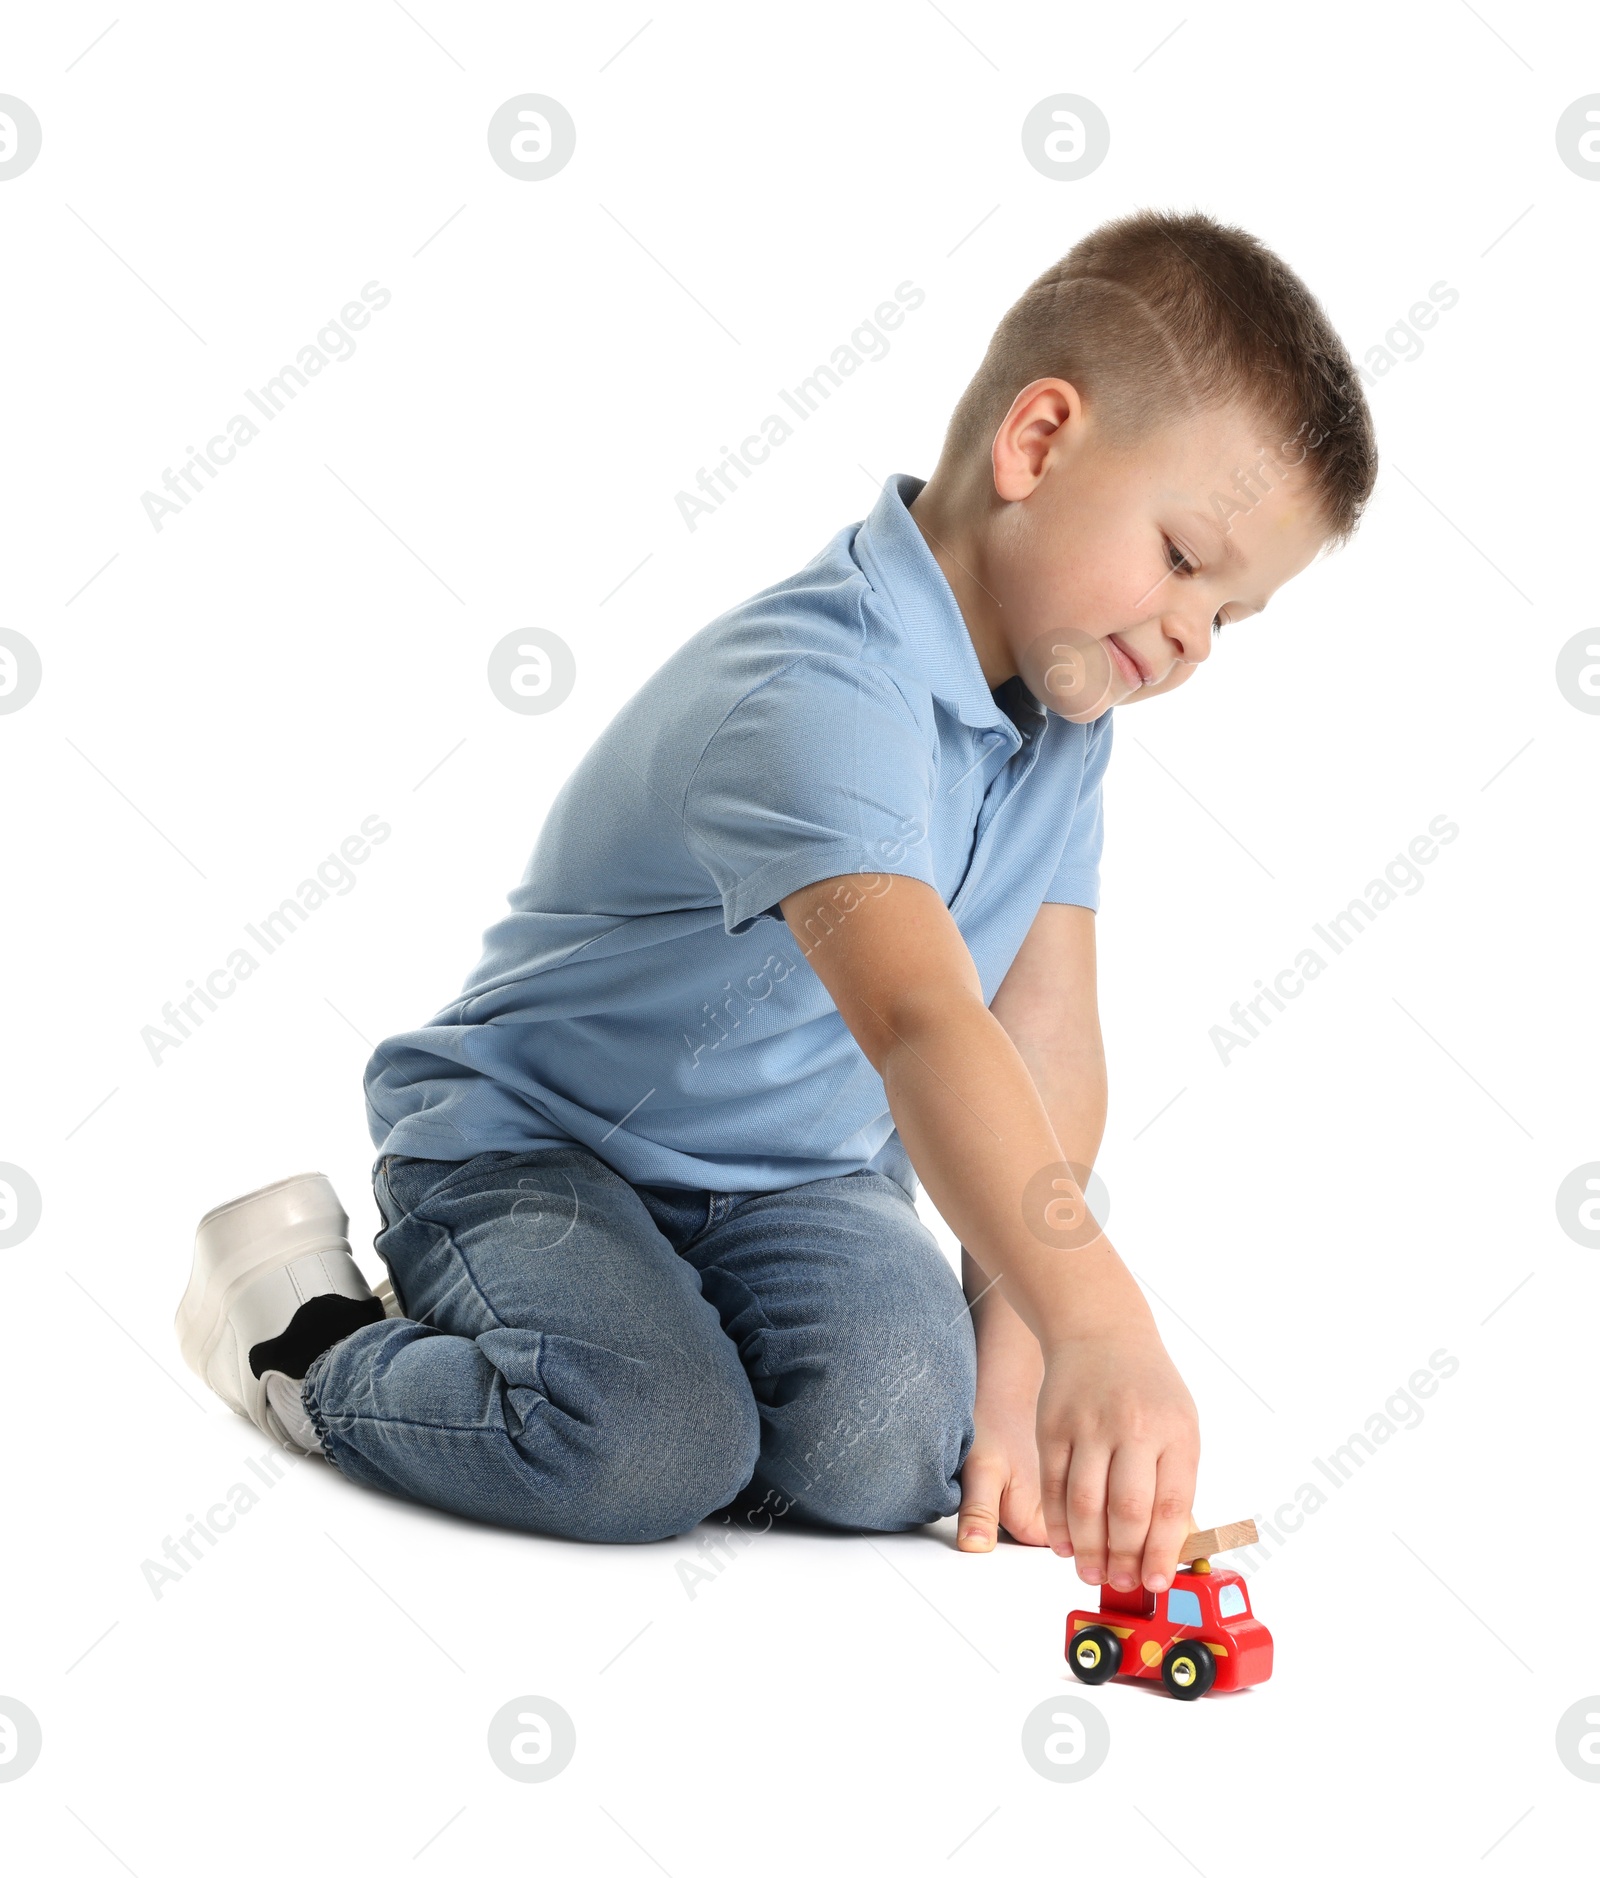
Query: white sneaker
<point>272,1286</point>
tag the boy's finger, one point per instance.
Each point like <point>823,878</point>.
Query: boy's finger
<point>1022,1516</point>
<point>1086,1511</point>
<point>1130,1490</point>
<point>978,1523</point>
<point>1053,1500</point>
<point>1171,1520</point>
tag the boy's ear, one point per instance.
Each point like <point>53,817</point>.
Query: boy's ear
<point>1043,416</point>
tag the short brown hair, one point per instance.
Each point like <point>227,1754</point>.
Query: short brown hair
<point>1155,314</point>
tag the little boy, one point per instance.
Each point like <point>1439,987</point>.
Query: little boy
<point>813,920</point>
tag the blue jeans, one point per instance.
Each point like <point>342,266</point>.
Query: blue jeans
<point>594,1360</point>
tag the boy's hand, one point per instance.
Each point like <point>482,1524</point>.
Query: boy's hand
<point>1000,1484</point>
<point>1108,1384</point>
<point>1000,1478</point>
<point>1119,1444</point>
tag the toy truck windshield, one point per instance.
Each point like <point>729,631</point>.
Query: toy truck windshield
<point>1183,1607</point>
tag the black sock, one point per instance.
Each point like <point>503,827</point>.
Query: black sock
<point>319,1323</point>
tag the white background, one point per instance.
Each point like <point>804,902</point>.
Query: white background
<point>1370,1181</point>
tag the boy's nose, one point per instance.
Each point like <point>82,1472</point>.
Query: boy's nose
<point>1189,638</point>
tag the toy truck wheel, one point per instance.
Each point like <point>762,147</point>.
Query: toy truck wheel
<point>1188,1670</point>
<point>1096,1654</point>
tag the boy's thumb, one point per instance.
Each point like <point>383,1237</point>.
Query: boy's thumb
<point>978,1524</point>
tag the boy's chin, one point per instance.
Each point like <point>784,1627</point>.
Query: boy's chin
<point>1070,673</point>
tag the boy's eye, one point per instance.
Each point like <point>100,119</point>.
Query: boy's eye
<point>1180,563</point>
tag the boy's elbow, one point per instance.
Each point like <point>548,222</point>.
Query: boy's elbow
<point>920,1018</point>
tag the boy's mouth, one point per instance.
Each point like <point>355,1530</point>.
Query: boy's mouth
<point>1126,663</point>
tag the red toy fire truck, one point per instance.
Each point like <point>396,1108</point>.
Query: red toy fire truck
<point>1200,1634</point>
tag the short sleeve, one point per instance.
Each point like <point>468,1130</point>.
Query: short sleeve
<point>1077,877</point>
<point>823,769</point>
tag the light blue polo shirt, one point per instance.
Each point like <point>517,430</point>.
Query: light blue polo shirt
<point>643,995</point>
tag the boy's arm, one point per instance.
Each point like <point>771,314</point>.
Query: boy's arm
<point>1048,1007</point>
<point>1115,1426</point>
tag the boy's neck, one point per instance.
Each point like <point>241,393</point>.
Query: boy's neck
<point>955,529</point>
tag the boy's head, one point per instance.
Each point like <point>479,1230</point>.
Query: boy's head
<point>1165,429</point>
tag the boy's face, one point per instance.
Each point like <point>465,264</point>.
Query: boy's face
<point>1114,567</point>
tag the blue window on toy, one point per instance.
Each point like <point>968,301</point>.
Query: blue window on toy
<point>1231,1601</point>
<point>1183,1607</point>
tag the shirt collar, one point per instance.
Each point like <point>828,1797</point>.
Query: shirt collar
<point>892,553</point>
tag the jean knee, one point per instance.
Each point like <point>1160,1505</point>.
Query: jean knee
<point>650,1461</point>
<point>876,1442</point>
